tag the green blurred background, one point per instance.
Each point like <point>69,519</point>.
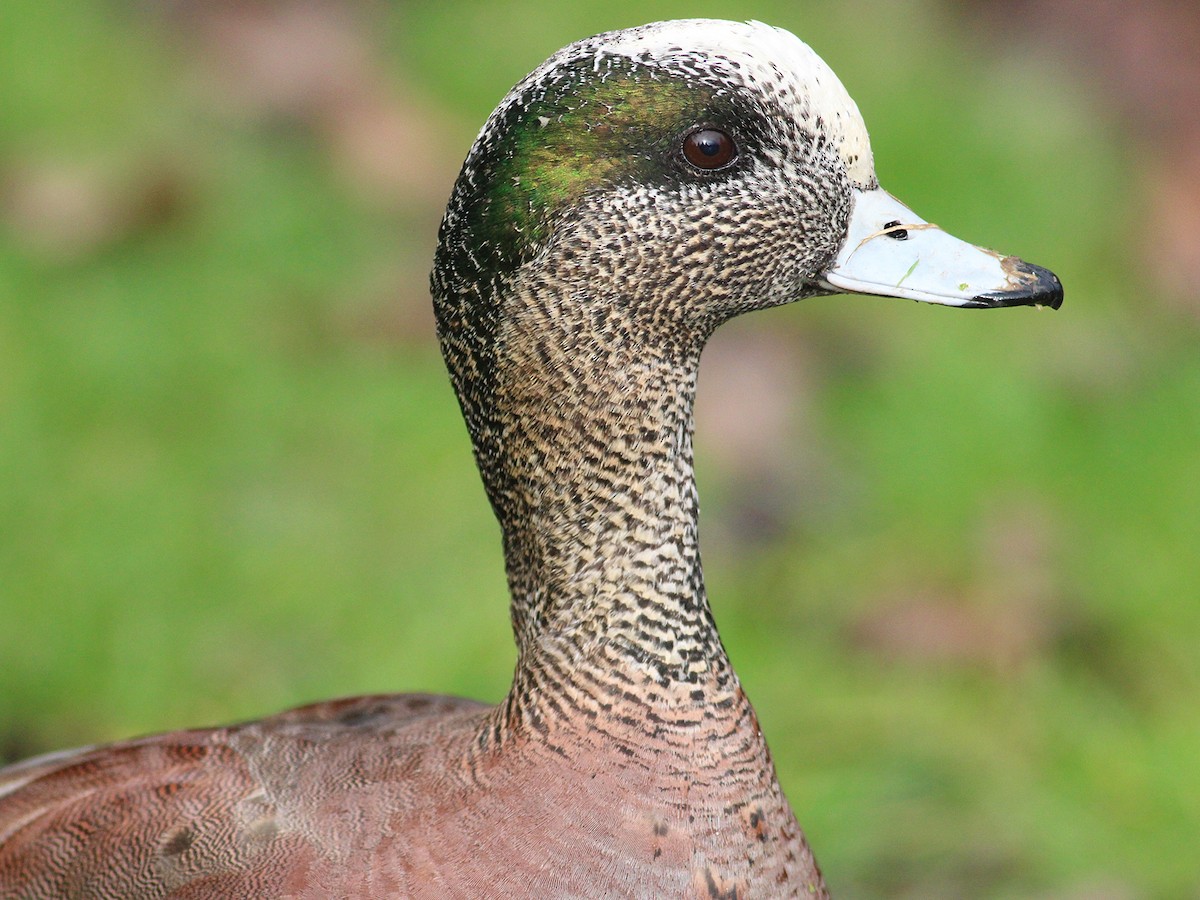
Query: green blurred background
<point>954,556</point>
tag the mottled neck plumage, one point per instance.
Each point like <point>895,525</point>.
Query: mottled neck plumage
<point>596,496</point>
<point>601,531</point>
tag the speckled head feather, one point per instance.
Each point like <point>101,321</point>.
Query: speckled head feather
<point>607,111</point>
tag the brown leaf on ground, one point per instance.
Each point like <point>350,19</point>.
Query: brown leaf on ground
<point>64,212</point>
<point>1007,615</point>
<point>316,66</point>
<point>754,406</point>
<point>1172,249</point>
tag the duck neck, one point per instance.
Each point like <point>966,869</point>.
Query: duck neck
<point>594,487</point>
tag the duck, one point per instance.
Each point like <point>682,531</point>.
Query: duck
<point>631,194</point>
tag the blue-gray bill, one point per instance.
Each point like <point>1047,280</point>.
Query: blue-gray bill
<point>891,251</point>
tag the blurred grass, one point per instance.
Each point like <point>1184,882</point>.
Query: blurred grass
<point>233,477</point>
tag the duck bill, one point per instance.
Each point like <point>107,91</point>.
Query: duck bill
<point>891,251</point>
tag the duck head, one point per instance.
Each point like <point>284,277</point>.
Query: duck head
<point>640,187</point>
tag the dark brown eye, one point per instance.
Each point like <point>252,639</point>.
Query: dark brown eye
<point>708,148</point>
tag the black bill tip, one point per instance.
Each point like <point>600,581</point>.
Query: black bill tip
<point>1031,286</point>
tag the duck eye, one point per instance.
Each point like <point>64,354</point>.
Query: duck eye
<point>900,234</point>
<point>709,148</point>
